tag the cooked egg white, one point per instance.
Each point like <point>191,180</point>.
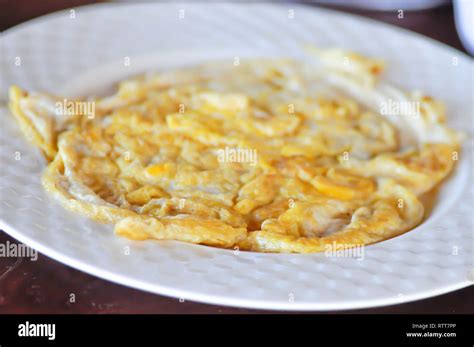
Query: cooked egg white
<point>329,168</point>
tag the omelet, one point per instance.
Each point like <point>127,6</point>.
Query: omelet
<point>271,155</point>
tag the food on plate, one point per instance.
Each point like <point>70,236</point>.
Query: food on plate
<point>270,155</point>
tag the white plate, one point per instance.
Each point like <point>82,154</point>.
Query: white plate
<point>69,55</point>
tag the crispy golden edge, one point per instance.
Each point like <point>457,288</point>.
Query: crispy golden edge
<point>27,127</point>
<point>212,232</point>
<point>208,232</point>
<point>393,165</point>
<point>52,178</point>
<point>376,229</point>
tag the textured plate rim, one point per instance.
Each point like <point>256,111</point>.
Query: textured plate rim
<point>223,300</point>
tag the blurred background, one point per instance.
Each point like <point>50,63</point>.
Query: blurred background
<point>44,286</point>
<point>448,21</point>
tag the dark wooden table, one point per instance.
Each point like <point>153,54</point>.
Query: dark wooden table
<point>45,286</point>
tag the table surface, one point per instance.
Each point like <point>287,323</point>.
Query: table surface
<point>45,285</point>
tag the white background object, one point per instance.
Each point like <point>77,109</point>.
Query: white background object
<point>387,5</point>
<point>464,16</point>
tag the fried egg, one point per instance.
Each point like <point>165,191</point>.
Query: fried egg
<point>273,155</point>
